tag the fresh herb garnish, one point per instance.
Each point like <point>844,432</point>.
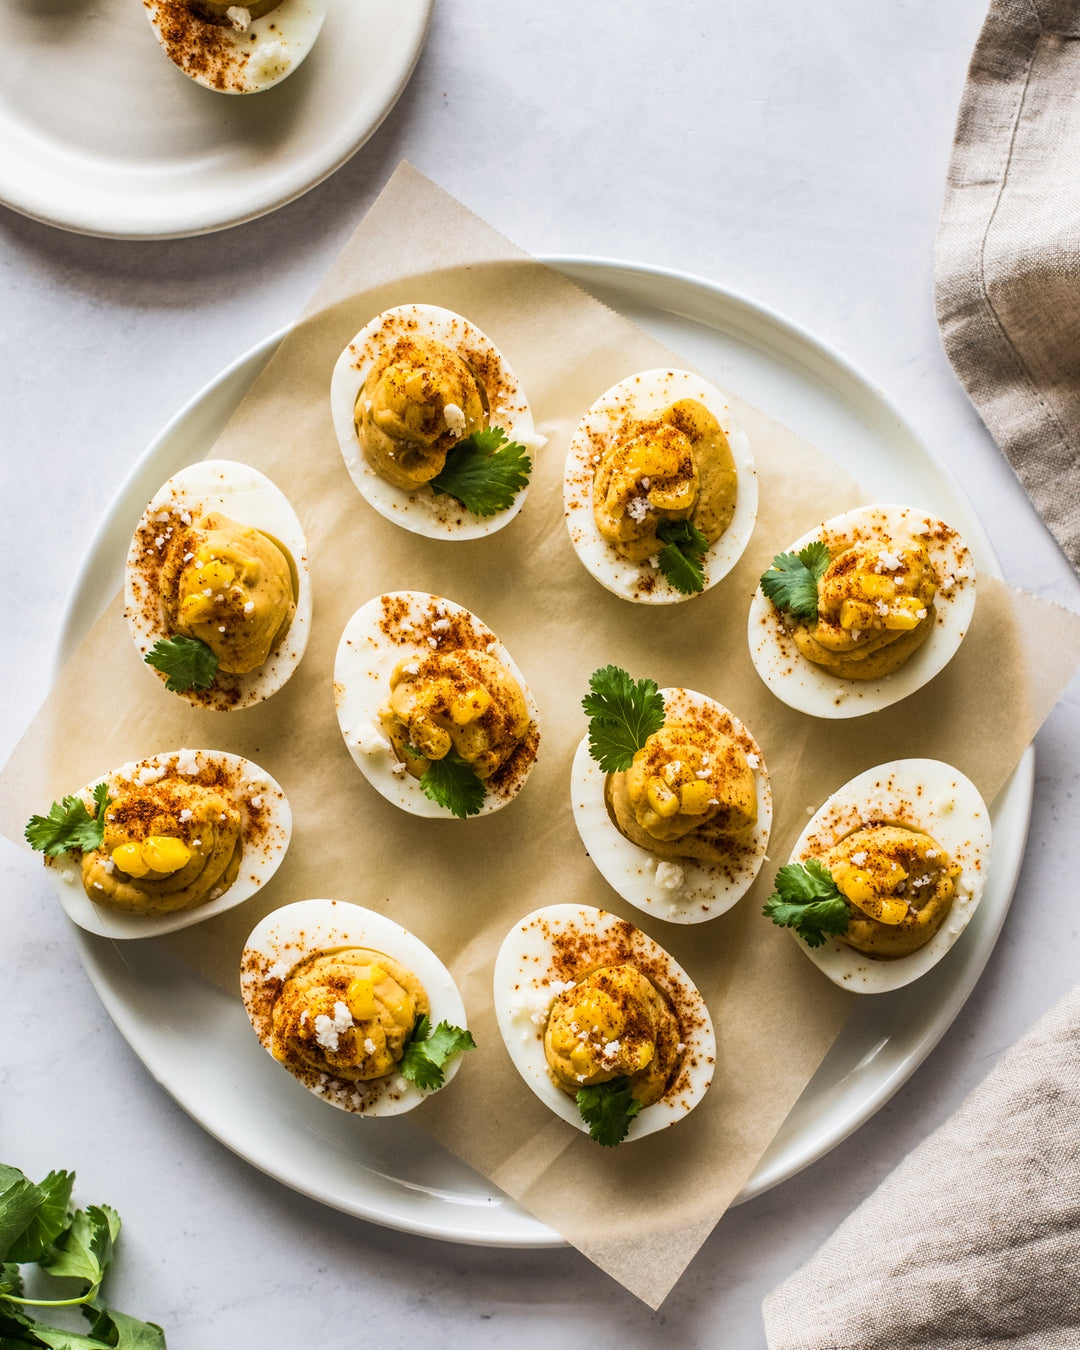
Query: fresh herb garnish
<point>427,1052</point>
<point>454,783</point>
<point>607,1109</point>
<point>807,899</point>
<point>623,714</point>
<point>69,826</point>
<point>38,1228</point>
<point>792,581</point>
<point>188,662</point>
<point>484,472</point>
<point>682,558</point>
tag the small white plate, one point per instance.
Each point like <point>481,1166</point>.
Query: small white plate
<point>103,135</point>
<point>398,1177</point>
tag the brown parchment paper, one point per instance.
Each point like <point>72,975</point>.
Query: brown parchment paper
<point>640,1211</point>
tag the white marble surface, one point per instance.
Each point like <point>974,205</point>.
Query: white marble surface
<point>795,153</point>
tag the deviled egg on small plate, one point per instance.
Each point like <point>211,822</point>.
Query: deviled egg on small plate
<point>678,826</point>
<point>862,611</point>
<point>234,48</point>
<point>660,489</point>
<point>433,708</point>
<point>164,842</point>
<point>591,1008</point>
<point>355,1007</point>
<point>433,424</point>
<point>887,874</point>
<point>217,591</point>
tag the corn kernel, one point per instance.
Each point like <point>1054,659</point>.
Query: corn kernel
<point>360,995</point>
<point>161,853</point>
<point>216,574</point>
<point>196,608</point>
<point>430,739</point>
<point>469,706</point>
<point>129,859</point>
<point>694,797</point>
<point>661,798</point>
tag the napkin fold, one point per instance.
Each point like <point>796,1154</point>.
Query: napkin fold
<point>975,1238</point>
<point>1007,268</point>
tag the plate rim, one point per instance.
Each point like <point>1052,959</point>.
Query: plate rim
<point>781,1160</point>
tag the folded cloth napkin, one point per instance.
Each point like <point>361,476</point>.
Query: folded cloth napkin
<point>974,1239</point>
<point>1007,269</point>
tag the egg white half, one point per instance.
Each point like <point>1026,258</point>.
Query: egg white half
<point>248,497</point>
<point>691,890</point>
<point>232,61</point>
<point>306,927</point>
<point>420,510</point>
<point>640,396</point>
<point>266,828</point>
<point>530,972</point>
<point>388,629</point>
<point>809,689</point>
<point>924,794</point>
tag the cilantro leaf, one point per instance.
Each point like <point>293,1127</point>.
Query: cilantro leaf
<point>607,1109</point>
<point>682,558</point>
<point>36,1227</point>
<point>188,662</point>
<point>623,714</point>
<point>69,825</point>
<point>83,1251</point>
<point>428,1051</point>
<point>455,784</point>
<point>48,1221</point>
<point>117,1329</point>
<point>807,899</point>
<point>792,581</point>
<point>484,472</point>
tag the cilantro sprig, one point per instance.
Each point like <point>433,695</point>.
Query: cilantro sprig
<point>38,1227</point>
<point>428,1052</point>
<point>69,826</point>
<point>807,899</point>
<point>453,783</point>
<point>792,581</point>
<point>607,1109</point>
<point>682,558</point>
<point>484,472</point>
<point>188,662</point>
<point>623,714</point>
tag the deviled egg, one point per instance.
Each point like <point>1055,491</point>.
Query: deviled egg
<point>887,874</point>
<point>862,611</point>
<point>232,48</point>
<point>591,1008</point>
<point>433,708</point>
<point>357,1008</point>
<point>433,424</point>
<point>164,842</point>
<point>660,489</point>
<point>217,592</point>
<point>678,825</point>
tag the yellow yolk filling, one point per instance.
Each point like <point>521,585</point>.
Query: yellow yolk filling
<point>677,466</point>
<point>234,589</point>
<point>415,405</point>
<point>875,607</point>
<point>899,884</point>
<point>687,791</point>
<point>613,1023</point>
<point>168,845</point>
<point>464,701</point>
<point>348,1013</point>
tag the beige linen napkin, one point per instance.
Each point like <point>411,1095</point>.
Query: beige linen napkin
<point>1007,271</point>
<point>975,1238</point>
